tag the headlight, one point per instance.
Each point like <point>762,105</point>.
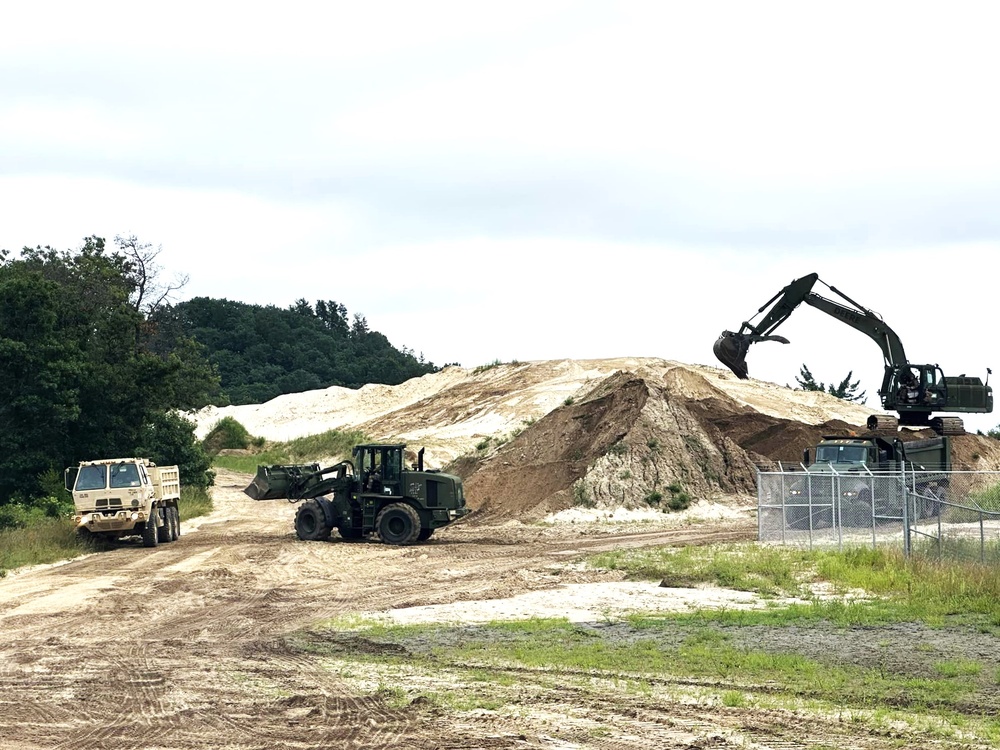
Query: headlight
<point>795,493</point>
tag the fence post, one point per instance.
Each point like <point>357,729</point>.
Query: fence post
<point>906,509</point>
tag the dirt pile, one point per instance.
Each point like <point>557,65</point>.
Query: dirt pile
<point>538,437</point>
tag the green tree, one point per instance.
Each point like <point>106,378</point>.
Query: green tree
<point>845,389</point>
<point>85,372</point>
<point>261,352</point>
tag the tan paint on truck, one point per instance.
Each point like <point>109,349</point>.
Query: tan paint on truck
<point>116,497</point>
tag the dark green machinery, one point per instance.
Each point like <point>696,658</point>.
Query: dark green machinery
<point>914,392</point>
<point>374,492</point>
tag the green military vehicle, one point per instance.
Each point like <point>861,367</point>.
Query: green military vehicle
<point>373,493</point>
<point>858,481</point>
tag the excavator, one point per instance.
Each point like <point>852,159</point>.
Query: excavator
<point>913,391</point>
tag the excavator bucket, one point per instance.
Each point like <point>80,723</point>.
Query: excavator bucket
<point>731,350</point>
<point>277,482</point>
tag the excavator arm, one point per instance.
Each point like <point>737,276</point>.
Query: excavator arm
<point>731,348</point>
<point>913,390</point>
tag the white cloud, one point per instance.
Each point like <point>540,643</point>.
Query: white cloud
<point>529,180</point>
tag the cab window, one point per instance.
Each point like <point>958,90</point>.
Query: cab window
<point>124,475</point>
<point>92,478</point>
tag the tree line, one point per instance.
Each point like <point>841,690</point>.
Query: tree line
<point>97,361</point>
<point>261,352</point>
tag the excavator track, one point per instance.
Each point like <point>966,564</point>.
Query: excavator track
<point>948,425</point>
<point>883,424</point>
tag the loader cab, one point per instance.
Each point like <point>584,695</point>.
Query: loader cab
<point>380,468</point>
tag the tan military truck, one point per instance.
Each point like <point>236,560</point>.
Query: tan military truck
<point>119,497</point>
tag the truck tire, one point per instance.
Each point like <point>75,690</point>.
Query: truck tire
<point>310,522</point>
<point>398,523</point>
<point>163,532</point>
<point>176,515</point>
<point>424,535</point>
<point>150,534</point>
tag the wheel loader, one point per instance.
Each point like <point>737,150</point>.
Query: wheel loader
<point>373,493</point>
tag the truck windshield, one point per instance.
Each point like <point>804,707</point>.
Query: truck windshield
<point>841,454</point>
<point>124,475</point>
<point>92,478</point>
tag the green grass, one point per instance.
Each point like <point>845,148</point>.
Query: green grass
<point>768,571</point>
<point>194,502</point>
<point>489,666</point>
<point>332,443</point>
<point>46,540</point>
<point>899,589</point>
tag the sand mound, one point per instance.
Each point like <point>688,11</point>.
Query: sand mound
<point>536,438</point>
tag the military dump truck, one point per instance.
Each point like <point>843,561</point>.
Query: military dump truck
<point>119,497</point>
<point>857,481</point>
<point>374,492</point>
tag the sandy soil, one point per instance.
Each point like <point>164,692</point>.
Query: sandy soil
<point>192,645</point>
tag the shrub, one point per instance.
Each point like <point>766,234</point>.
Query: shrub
<point>679,498</point>
<point>228,434</point>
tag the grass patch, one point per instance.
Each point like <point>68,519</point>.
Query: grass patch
<point>194,502</point>
<point>46,540</point>
<point>332,444</point>
<point>914,589</point>
<point>547,652</point>
<point>764,570</point>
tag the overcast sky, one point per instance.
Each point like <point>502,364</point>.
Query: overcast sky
<point>531,180</point>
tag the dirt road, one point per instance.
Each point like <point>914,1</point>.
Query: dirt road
<point>186,646</point>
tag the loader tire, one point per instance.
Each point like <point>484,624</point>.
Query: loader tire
<point>425,534</point>
<point>398,523</point>
<point>150,533</point>
<point>310,522</point>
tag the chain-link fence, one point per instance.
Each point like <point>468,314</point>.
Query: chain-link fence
<point>955,513</point>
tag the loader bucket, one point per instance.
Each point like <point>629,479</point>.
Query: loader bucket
<point>276,482</point>
<point>731,350</point>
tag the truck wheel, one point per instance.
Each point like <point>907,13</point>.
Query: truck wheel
<point>150,534</point>
<point>176,515</point>
<point>398,523</point>
<point>310,522</point>
<point>170,521</point>
<point>163,532</point>
<point>425,534</point>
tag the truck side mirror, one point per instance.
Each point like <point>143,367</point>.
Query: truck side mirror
<point>69,477</point>
<point>805,456</point>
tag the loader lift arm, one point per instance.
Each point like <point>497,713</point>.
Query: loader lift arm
<point>914,391</point>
